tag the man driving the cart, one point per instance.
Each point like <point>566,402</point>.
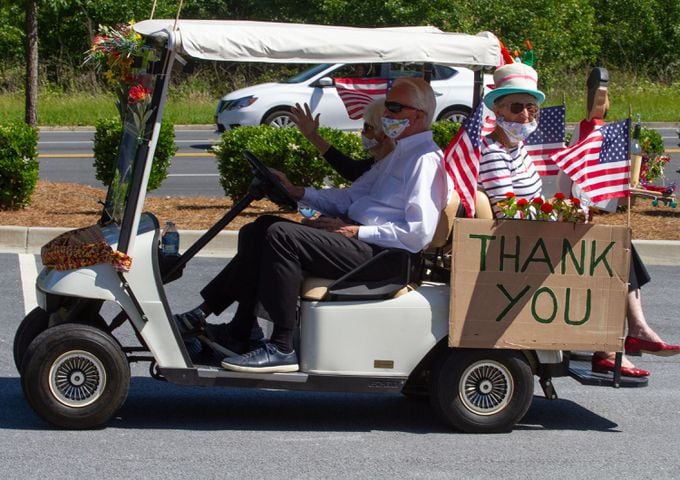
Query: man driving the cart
<point>395,205</point>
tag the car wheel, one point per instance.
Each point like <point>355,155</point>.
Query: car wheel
<point>278,119</point>
<point>75,376</point>
<point>482,391</point>
<point>455,114</point>
<point>30,327</point>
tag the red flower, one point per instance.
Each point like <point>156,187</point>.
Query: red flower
<point>509,195</point>
<point>537,201</point>
<point>138,93</point>
<point>522,202</point>
<point>576,202</point>
<point>546,208</point>
<point>559,196</point>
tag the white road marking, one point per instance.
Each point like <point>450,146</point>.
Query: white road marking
<point>29,272</point>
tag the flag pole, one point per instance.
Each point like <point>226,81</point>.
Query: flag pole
<point>630,118</point>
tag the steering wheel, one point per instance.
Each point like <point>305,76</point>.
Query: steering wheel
<point>277,193</point>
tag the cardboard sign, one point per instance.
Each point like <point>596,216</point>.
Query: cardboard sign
<point>524,284</point>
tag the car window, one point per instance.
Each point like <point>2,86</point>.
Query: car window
<point>357,70</point>
<point>439,72</point>
<point>308,73</point>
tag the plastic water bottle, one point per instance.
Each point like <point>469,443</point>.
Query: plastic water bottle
<point>635,155</point>
<point>305,210</point>
<point>170,239</point>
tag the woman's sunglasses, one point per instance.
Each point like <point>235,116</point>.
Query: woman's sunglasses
<point>396,107</point>
<point>516,108</point>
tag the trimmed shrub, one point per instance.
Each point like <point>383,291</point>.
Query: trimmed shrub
<point>107,142</point>
<point>18,165</point>
<point>284,149</point>
<point>443,132</point>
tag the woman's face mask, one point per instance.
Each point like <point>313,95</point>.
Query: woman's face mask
<point>393,127</point>
<point>368,143</point>
<point>515,131</point>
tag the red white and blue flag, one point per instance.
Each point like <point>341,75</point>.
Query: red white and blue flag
<point>599,163</point>
<point>461,159</point>
<point>547,139</point>
<point>357,93</point>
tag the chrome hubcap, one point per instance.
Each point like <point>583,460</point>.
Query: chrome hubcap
<point>77,378</point>
<point>486,387</point>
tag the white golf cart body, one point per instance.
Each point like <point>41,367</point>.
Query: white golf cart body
<point>375,345</point>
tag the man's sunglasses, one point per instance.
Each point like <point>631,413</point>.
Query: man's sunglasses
<point>516,108</point>
<point>396,107</point>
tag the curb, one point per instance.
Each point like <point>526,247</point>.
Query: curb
<point>31,239</point>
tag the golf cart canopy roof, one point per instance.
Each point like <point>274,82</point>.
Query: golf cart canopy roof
<point>245,41</point>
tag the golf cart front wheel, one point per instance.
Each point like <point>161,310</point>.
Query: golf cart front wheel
<point>75,376</point>
<point>482,391</point>
<point>30,327</point>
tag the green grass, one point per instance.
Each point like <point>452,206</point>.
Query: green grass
<point>655,103</point>
<point>81,110</point>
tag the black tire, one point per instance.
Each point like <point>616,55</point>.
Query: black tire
<point>482,391</point>
<point>75,376</point>
<point>30,327</point>
<point>278,118</point>
<point>457,113</point>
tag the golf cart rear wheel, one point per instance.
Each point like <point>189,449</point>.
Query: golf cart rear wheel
<point>482,391</point>
<point>75,376</point>
<point>30,327</point>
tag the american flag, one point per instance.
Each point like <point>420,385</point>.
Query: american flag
<point>599,163</point>
<point>547,139</point>
<point>461,159</point>
<point>357,93</point>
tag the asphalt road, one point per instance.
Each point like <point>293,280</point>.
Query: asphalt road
<point>165,431</point>
<point>66,156</point>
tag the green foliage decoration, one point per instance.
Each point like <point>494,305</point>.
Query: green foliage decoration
<point>107,140</point>
<point>284,149</point>
<point>18,165</point>
<point>651,141</point>
<point>443,132</point>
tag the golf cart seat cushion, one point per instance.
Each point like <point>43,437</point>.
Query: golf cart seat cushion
<point>483,206</point>
<point>442,234</point>
<point>315,288</point>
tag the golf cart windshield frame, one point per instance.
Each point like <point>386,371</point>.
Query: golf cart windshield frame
<point>273,43</point>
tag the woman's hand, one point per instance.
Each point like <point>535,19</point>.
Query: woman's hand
<point>308,125</point>
<point>305,121</point>
<point>331,224</point>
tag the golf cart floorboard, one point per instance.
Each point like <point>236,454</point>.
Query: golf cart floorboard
<point>582,373</point>
<point>215,376</point>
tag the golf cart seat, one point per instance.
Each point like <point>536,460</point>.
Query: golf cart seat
<point>347,288</point>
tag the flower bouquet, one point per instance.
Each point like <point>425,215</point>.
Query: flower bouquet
<point>559,208</point>
<point>121,54</point>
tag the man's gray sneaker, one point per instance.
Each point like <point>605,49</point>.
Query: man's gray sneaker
<point>266,359</point>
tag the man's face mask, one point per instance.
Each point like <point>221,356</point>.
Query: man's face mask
<point>393,127</point>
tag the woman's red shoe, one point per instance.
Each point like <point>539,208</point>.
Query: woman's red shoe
<point>636,346</point>
<point>604,365</point>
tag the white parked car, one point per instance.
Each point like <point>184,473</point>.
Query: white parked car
<point>270,103</point>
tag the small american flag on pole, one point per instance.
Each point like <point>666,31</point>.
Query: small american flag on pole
<point>357,93</point>
<point>461,159</point>
<point>547,139</point>
<point>599,163</point>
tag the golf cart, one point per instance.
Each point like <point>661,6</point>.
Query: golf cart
<point>353,336</point>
